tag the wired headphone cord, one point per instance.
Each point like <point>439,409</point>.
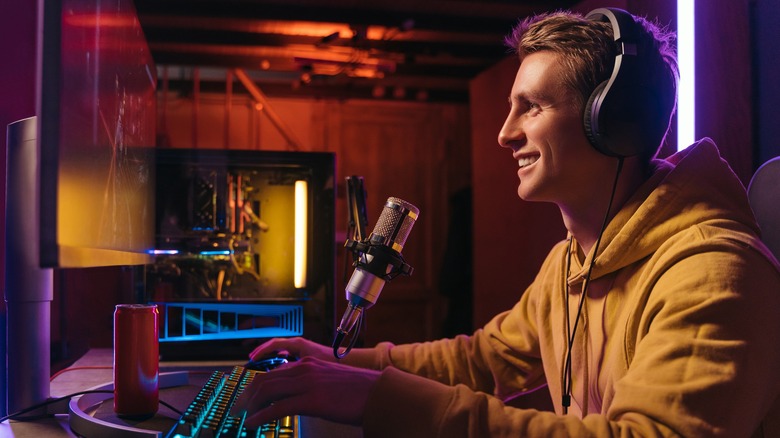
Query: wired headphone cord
<point>567,377</point>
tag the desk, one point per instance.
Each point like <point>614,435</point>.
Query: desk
<point>178,396</point>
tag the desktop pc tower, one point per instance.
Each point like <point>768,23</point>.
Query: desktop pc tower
<point>244,249</point>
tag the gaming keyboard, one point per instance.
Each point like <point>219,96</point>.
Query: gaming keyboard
<point>209,416</point>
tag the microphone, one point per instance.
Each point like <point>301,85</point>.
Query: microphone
<point>378,260</point>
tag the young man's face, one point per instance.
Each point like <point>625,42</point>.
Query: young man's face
<point>545,132</point>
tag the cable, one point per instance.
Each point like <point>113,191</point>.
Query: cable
<point>566,398</point>
<point>169,406</point>
<point>65,370</point>
<point>352,341</point>
<point>567,378</point>
<point>16,415</point>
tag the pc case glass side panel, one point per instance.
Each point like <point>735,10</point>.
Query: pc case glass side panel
<point>226,233</point>
<point>226,225</point>
<point>220,212</point>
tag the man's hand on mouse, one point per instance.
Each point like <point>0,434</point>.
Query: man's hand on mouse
<point>294,347</point>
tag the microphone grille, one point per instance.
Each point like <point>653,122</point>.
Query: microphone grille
<point>395,223</point>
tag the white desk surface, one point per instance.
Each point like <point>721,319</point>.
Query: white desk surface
<point>80,378</point>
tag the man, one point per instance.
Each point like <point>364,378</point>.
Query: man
<point>656,317</point>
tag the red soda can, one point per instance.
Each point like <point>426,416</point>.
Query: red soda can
<point>136,360</point>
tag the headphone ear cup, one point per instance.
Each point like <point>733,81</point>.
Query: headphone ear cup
<point>623,116</point>
<point>590,119</point>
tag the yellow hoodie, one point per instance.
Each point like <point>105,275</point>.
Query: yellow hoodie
<point>679,333</point>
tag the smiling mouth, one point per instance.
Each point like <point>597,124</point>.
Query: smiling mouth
<point>527,161</point>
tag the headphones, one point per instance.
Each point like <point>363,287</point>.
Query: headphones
<point>623,116</point>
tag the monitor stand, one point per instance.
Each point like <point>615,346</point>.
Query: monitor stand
<point>28,288</point>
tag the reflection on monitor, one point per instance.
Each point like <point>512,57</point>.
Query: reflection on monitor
<point>97,131</point>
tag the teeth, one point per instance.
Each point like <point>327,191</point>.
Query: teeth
<point>527,161</point>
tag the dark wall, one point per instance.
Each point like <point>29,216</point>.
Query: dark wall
<point>511,237</point>
<point>765,16</point>
<point>17,81</point>
<point>724,81</point>
<point>17,101</point>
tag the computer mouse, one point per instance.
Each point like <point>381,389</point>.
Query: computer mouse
<point>268,363</point>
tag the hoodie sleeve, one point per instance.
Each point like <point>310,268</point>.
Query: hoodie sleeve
<point>411,406</point>
<point>503,358</point>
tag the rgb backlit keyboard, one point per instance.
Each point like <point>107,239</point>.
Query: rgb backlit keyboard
<point>209,416</point>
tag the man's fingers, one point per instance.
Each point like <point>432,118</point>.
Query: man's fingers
<point>308,387</point>
<point>274,411</point>
<point>272,347</point>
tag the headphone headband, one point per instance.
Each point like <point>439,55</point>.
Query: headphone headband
<point>621,117</point>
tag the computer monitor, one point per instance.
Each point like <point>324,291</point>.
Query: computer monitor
<point>92,140</point>
<point>97,135</point>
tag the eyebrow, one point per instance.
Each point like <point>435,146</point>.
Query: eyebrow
<point>532,97</point>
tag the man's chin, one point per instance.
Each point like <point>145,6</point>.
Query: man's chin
<point>530,196</point>
<point>525,194</point>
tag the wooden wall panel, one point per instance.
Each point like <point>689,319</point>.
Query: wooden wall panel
<point>400,151</point>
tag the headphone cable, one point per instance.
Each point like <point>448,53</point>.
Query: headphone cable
<point>567,377</point>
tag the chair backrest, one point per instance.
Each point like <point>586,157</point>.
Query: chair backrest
<point>764,196</point>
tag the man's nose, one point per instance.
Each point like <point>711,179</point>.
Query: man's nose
<point>511,133</point>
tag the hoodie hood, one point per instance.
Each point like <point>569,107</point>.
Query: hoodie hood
<point>696,181</point>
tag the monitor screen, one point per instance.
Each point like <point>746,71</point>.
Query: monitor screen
<point>97,132</point>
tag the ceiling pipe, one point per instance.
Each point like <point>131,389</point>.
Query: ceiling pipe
<point>163,137</point>
<point>260,97</point>
<point>195,105</point>
<point>228,106</point>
